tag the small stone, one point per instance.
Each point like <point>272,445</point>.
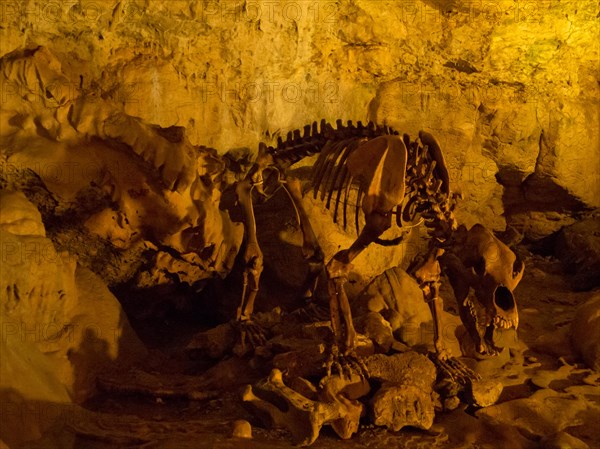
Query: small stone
<point>451,403</point>
<point>241,429</point>
<point>531,359</point>
<point>485,393</point>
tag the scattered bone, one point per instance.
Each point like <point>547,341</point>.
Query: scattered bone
<point>303,386</point>
<point>127,430</point>
<point>304,362</point>
<point>302,417</point>
<point>227,374</point>
<point>156,385</point>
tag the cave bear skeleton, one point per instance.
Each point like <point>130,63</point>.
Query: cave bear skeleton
<point>397,179</point>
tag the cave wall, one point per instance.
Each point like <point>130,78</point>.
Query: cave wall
<point>509,88</point>
<point>61,326</point>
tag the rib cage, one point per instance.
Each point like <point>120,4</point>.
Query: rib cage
<point>331,180</point>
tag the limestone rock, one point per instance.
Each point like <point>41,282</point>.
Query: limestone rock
<point>375,327</point>
<point>578,248</point>
<point>563,440</point>
<point>38,285</point>
<point>396,406</point>
<point>106,338</point>
<point>62,326</point>
<point>19,216</point>
<point>585,331</point>
<point>136,183</point>
<point>397,298</point>
<point>544,413</point>
<point>214,343</point>
<point>31,386</point>
<point>485,392</point>
<point>408,368</point>
<point>489,92</point>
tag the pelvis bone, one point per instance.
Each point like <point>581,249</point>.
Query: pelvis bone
<point>281,406</point>
<point>483,273</point>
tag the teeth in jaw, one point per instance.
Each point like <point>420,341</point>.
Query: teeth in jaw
<point>502,323</point>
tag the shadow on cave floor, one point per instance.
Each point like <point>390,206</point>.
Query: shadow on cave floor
<point>166,317</point>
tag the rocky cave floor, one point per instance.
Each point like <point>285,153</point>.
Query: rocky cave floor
<point>547,304</point>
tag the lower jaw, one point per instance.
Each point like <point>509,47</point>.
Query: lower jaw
<point>496,340</point>
<point>492,351</point>
<point>488,349</point>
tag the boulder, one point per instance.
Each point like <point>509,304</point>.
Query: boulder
<point>396,296</point>
<point>406,397</point>
<point>397,406</point>
<point>61,326</point>
<point>546,412</point>
<point>585,331</point>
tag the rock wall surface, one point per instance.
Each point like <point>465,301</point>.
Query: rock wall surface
<point>111,177</point>
<point>61,326</point>
<point>509,87</point>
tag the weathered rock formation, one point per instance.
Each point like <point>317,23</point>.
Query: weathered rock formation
<point>510,89</point>
<point>585,331</point>
<point>61,326</point>
<point>578,248</point>
<point>110,184</point>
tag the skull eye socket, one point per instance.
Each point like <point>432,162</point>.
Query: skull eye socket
<point>503,298</point>
<point>518,267</point>
<point>479,267</point>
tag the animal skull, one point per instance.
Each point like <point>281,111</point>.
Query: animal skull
<point>483,273</point>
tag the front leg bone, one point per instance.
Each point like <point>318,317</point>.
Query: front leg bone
<point>427,274</point>
<point>310,246</point>
<point>253,256</point>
